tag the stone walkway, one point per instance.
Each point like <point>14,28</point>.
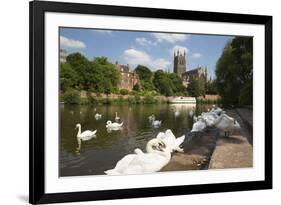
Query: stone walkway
<point>235,151</point>
<point>212,151</point>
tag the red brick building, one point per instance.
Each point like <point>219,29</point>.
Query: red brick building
<point>128,79</point>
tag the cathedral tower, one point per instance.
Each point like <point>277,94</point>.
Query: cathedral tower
<point>179,63</point>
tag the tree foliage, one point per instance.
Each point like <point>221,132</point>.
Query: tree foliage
<point>98,75</point>
<point>145,77</point>
<point>167,84</point>
<point>196,87</point>
<point>234,71</point>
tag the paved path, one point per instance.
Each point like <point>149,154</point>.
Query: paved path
<point>212,151</point>
<point>196,154</point>
<point>235,151</point>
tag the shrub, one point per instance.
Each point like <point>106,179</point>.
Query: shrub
<point>148,99</point>
<point>71,96</point>
<point>124,92</point>
<point>92,100</point>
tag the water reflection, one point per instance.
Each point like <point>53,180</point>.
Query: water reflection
<point>101,153</point>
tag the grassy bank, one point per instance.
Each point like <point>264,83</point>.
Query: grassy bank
<point>83,98</point>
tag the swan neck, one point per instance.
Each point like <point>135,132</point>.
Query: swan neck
<point>79,131</point>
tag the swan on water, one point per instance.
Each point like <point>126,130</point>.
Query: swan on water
<point>113,125</point>
<point>117,118</point>
<point>98,116</point>
<point>84,136</point>
<point>156,123</point>
<point>177,113</point>
<point>191,112</point>
<point>227,124</point>
<point>156,157</point>
<point>151,117</point>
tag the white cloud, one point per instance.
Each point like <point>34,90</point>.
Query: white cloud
<point>71,43</point>
<point>196,55</point>
<point>145,42</point>
<point>179,48</point>
<point>169,37</point>
<point>135,57</point>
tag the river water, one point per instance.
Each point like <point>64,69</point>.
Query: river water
<point>101,153</point>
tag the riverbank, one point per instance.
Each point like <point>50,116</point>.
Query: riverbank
<point>86,98</point>
<point>212,151</point>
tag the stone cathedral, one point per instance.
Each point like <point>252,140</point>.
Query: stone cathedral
<point>180,69</point>
<point>179,63</point>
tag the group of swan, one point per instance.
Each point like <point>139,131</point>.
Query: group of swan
<point>158,155</point>
<point>216,117</point>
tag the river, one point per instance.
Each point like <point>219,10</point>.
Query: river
<point>101,153</point>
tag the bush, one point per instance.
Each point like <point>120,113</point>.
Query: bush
<point>148,99</point>
<point>71,96</point>
<point>124,92</point>
<point>92,100</point>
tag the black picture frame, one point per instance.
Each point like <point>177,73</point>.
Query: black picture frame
<point>37,9</point>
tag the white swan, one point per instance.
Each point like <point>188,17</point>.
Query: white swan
<point>154,160</point>
<point>177,113</point>
<point>217,110</point>
<point>84,136</point>
<point>199,126</point>
<point>117,118</point>
<point>151,117</point>
<point>210,118</point>
<point>191,113</point>
<point>195,118</point>
<point>227,124</point>
<point>156,123</point>
<point>113,125</point>
<point>172,143</point>
<point>98,116</point>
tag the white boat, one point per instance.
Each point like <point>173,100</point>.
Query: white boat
<point>183,100</point>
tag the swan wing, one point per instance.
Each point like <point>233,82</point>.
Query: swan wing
<point>121,166</point>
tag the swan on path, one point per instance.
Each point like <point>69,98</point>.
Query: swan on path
<point>195,119</point>
<point>84,136</point>
<point>117,118</point>
<point>171,141</point>
<point>199,126</point>
<point>227,124</point>
<point>113,125</point>
<point>154,160</point>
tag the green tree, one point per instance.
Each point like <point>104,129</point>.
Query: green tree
<point>71,96</point>
<point>81,66</point>
<point>211,88</point>
<point>234,71</point>
<point>145,76</point>
<point>176,82</point>
<point>68,77</point>
<point>163,83</point>
<point>196,87</point>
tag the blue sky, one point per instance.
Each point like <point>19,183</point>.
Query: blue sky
<point>154,50</point>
